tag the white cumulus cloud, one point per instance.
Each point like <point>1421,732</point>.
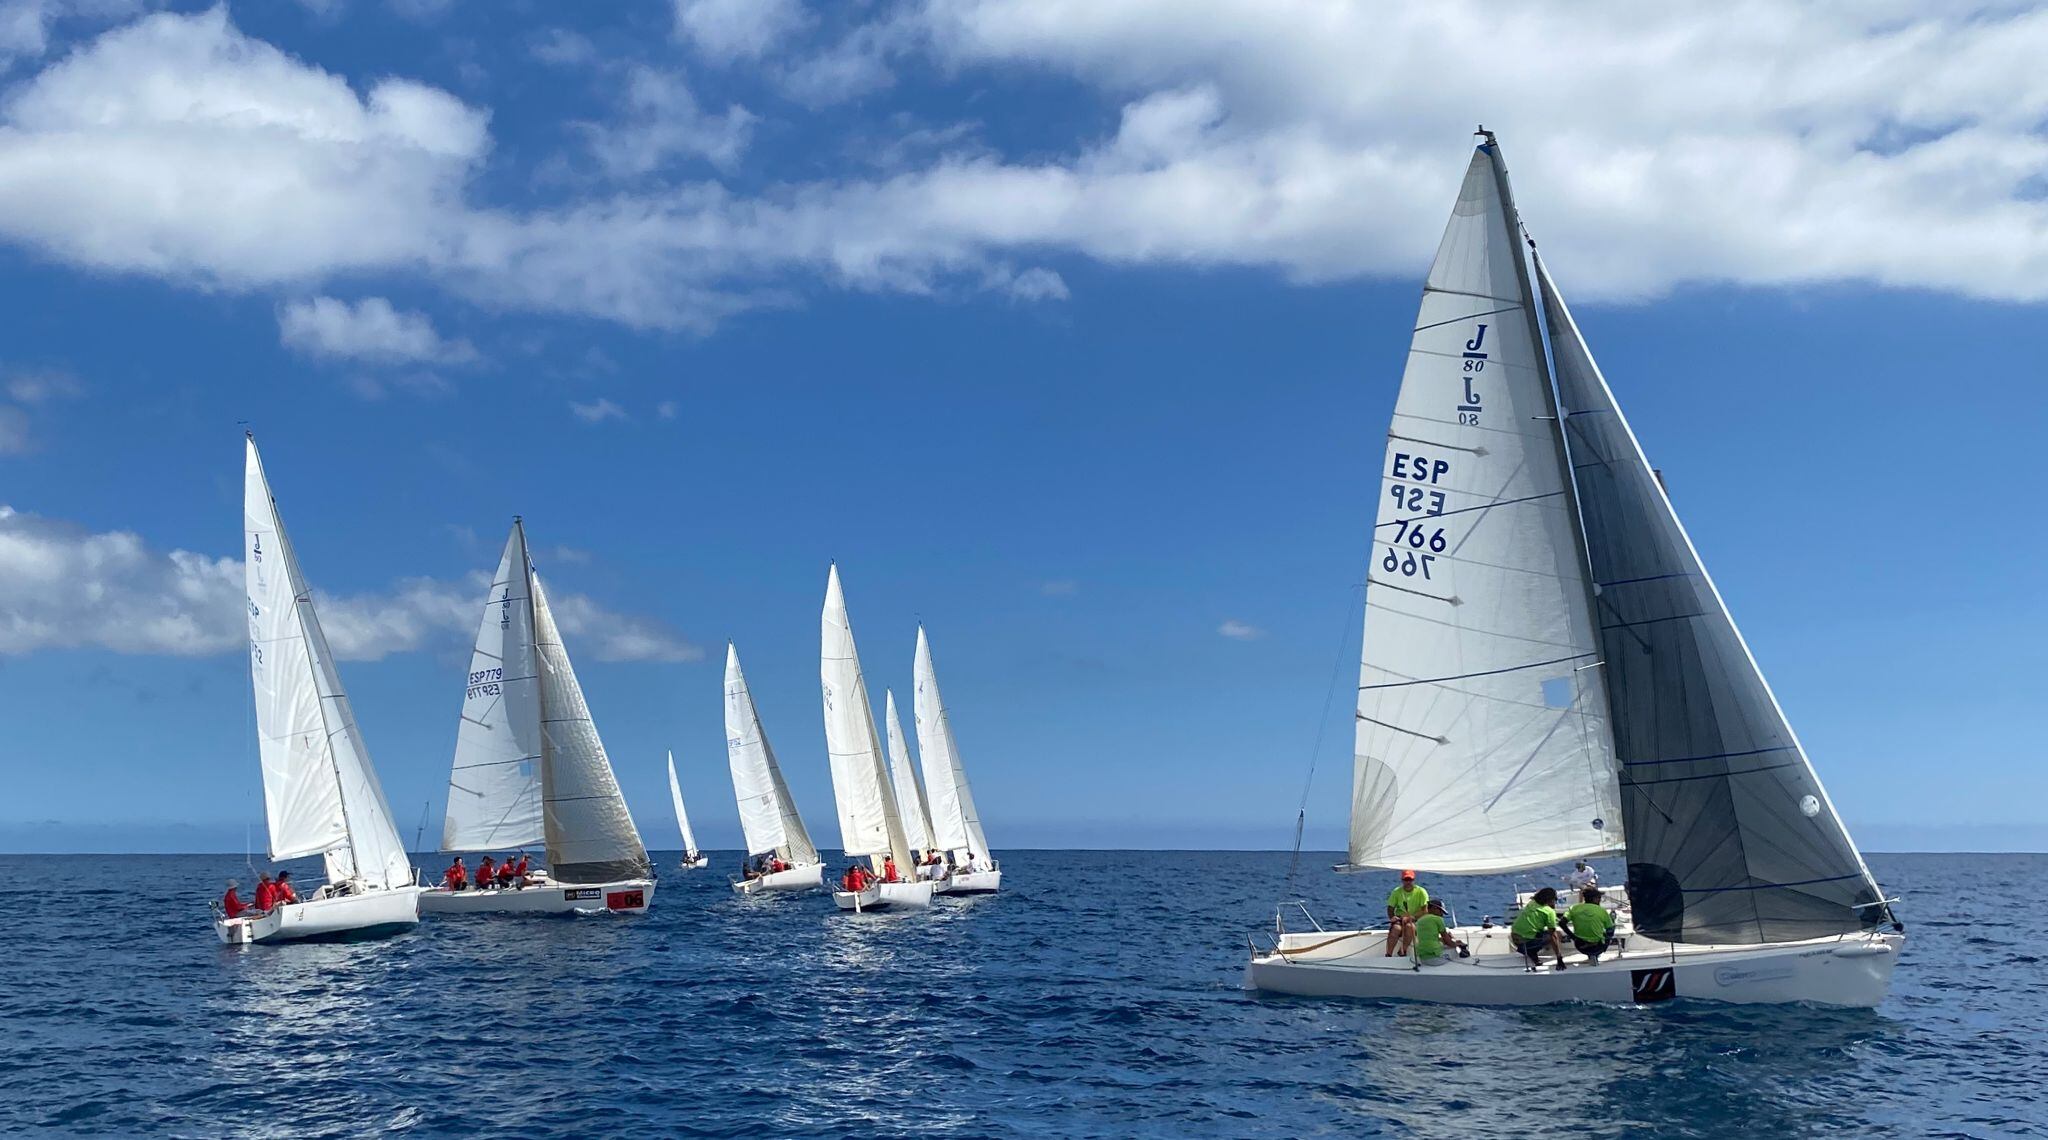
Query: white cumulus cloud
<point>370,330</point>
<point>72,588</point>
<point>1240,631</point>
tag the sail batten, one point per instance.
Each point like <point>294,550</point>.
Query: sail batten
<point>1732,839</point>
<point>1482,743</point>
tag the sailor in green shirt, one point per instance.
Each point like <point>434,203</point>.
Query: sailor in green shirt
<point>1431,936</point>
<point>1591,926</point>
<point>1404,906</point>
<point>1536,927</point>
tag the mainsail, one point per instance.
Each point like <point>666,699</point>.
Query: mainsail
<point>320,794</point>
<point>590,833</point>
<point>956,823</point>
<point>868,822</point>
<point>494,782</point>
<point>675,795</point>
<point>1482,737</point>
<point>910,798</point>
<point>768,815</point>
<point>1730,837</point>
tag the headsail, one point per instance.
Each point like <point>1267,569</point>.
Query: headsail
<point>956,823</point>
<point>494,782</point>
<point>1482,742</point>
<point>868,822</point>
<point>675,795</point>
<point>320,793</point>
<point>1730,837</point>
<point>590,832</point>
<point>768,815</point>
<point>910,799</point>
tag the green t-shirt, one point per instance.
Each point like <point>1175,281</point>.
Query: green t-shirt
<point>1429,936</point>
<point>1590,922</point>
<point>1408,901</point>
<point>1535,920</point>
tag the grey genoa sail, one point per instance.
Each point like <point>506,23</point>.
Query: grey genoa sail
<point>1731,839</point>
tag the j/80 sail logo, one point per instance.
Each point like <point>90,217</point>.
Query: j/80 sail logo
<point>1475,363</point>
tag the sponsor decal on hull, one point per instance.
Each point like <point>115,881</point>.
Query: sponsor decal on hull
<point>1735,975</point>
<point>624,900</point>
<point>1660,984</point>
<point>583,894</point>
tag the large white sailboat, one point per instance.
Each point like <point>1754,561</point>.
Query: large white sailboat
<point>1548,672</point>
<point>320,794</point>
<point>956,823</point>
<point>869,823</point>
<point>768,815</point>
<point>529,767</point>
<point>693,859</point>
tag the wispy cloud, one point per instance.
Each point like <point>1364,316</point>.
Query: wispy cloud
<point>69,588</point>
<point>370,330</point>
<point>1059,588</point>
<point>30,388</point>
<point>1240,631</point>
<point>667,409</point>
<point>729,31</point>
<point>597,411</point>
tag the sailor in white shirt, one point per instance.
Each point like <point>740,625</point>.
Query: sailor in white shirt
<point>1583,876</point>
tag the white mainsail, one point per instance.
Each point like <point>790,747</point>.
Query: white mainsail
<point>910,799</point>
<point>868,821</point>
<point>1482,735</point>
<point>956,823</point>
<point>768,815</point>
<point>590,832</point>
<point>494,782</point>
<point>675,795</point>
<point>320,794</point>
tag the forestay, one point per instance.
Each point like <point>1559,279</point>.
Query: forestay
<point>910,798</point>
<point>590,833</point>
<point>320,793</point>
<point>1730,837</point>
<point>675,795</point>
<point>1482,742</point>
<point>768,816</point>
<point>868,822</point>
<point>956,823</point>
<point>494,784</point>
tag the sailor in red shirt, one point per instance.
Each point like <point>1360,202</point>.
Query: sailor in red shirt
<point>284,892</point>
<point>231,903</point>
<point>266,892</point>
<point>506,874</point>
<point>456,877</point>
<point>856,879</point>
<point>486,874</point>
<point>889,869</point>
<point>521,872</point>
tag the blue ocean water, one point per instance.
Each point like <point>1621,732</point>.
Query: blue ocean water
<point>1097,996</point>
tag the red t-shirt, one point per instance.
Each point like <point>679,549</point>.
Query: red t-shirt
<point>505,872</point>
<point>456,876</point>
<point>266,896</point>
<point>232,904</point>
<point>889,871</point>
<point>285,894</point>
<point>522,867</point>
<point>485,873</point>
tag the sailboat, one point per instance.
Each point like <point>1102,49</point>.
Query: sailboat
<point>956,824</point>
<point>693,859</point>
<point>320,793</point>
<point>869,823</point>
<point>529,767</point>
<point>1548,672</point>
<point>768,816</point>
<point>911,807</point>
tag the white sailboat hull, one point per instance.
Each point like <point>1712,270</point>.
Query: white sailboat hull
<point>970,883</point>
<point>625,896</point>
<point>885,896</point>
<point>806,878</point>
<point>370,914</point>
<point>697,864</point>
<point>1851,970</point>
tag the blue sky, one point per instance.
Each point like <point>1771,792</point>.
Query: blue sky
<point>1069,330</point>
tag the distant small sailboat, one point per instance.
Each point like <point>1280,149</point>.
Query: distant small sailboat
<point>768,815</point>
<point>1549,672</point>
<point>956,822</point>
<point>693,859</point>
<point>320,793</point>
<point>869,823</point>
<point>529,767</point>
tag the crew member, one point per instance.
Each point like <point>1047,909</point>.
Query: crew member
<point>889,869</point>
<point>1536,927</point>
<point>231,903</point>
<point>486,873</point>
<point>1404,906</point>
<point>1591,926</point>
<point>1431,936</point>
<point>266,892</point>
<point>284,892</point>
<point>520,873</point>
<point>1582,876</point>
<point>456,877</point>
<point>507,873</point>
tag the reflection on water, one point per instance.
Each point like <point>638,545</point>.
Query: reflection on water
<point>1097,995</point>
